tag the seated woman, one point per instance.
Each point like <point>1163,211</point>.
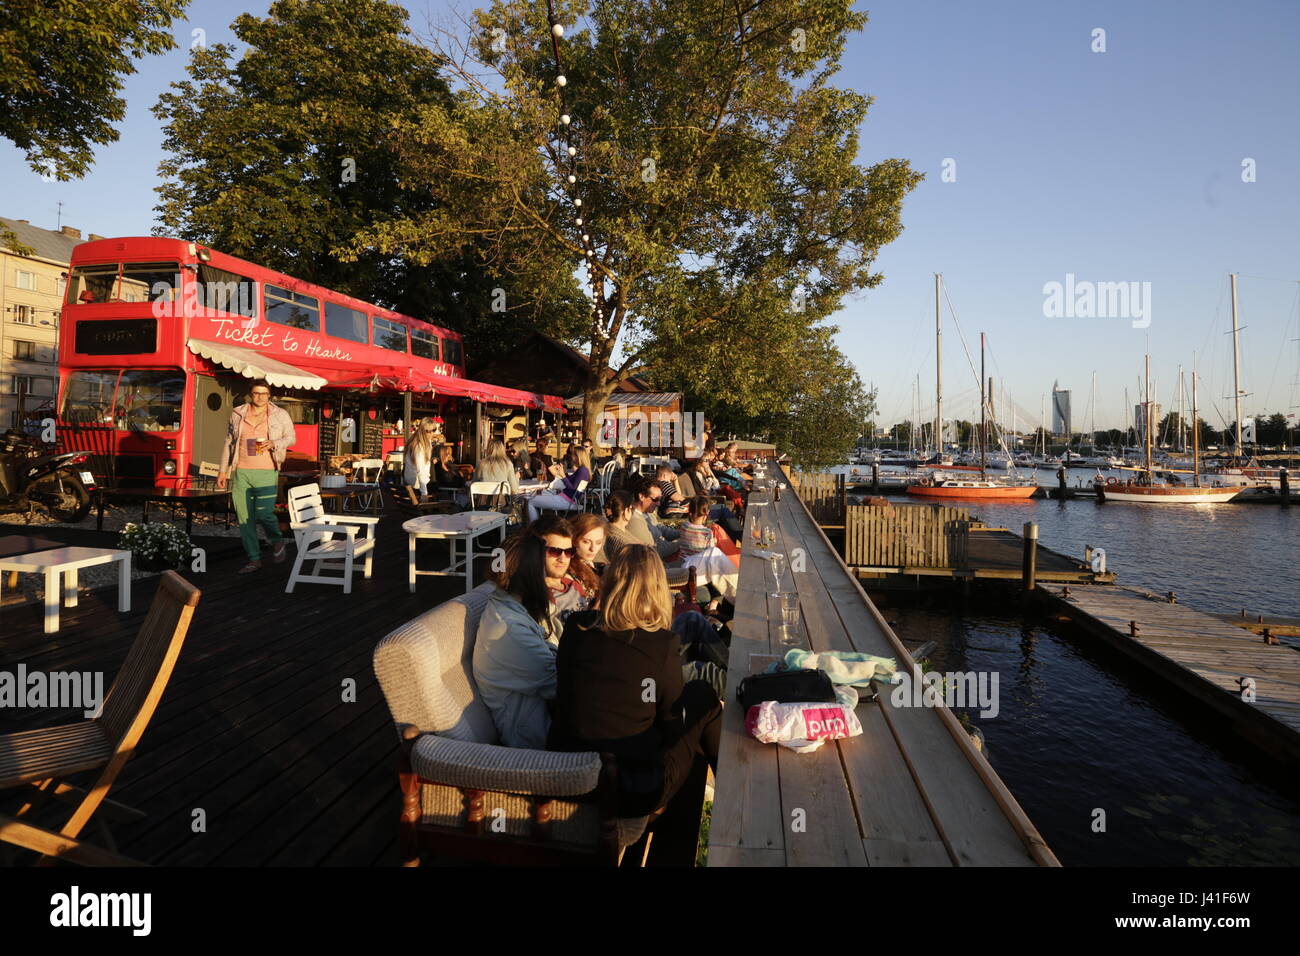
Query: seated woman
<point>514,659</point>
<point>698,550</point>
<point>521,459</point>
<point>444,474</point>
<point>495,466</point>
<point>605,659</point>
<point>705,653</point>
<point>566,497</point>
<point>621,531</point>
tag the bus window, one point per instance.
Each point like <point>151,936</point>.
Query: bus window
<point>150,282</point>
<point>390,335</point>
<point>222,291</point>
<point>291,308</point>
<point>301,412</point>
<point>454,353</point>
<point>96,283</point>
<point>88,397</point>
<point>345,323</point>
<point>424,344</point>
<point>149,400</point>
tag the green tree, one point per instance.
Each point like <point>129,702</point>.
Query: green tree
<point>281,156</point>
<point>62,64</point>
<point>694,161</point>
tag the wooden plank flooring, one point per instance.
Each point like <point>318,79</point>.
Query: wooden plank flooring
<point>1202,653</point>
<point>253,729</point>
<point>909,791</point>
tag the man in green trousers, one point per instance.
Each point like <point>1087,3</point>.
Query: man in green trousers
<point>259,437</point>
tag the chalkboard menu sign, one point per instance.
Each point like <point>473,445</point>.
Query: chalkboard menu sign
<point>372,439</point>
<point>328,434</point>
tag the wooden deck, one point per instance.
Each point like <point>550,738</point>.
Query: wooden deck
<point>1200,653</point>
<point>910,791</point>
<point>253,729</point>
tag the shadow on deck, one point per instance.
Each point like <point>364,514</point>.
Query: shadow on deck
<point>253,730</point>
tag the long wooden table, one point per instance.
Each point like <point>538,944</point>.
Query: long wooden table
<point>910,791</point>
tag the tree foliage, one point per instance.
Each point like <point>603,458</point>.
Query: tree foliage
<point>62,64</point>
<point>282,157</point>
<point>715,202</point>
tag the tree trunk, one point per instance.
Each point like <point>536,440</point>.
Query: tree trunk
<point>596,395</point>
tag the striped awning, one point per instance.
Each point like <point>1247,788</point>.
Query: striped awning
<point>252,364</point>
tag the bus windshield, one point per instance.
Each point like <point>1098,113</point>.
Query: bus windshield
<point>146,400</point>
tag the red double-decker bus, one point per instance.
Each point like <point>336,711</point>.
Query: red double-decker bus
<point>160,338</point>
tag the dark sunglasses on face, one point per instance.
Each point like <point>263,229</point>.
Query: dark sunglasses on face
<point>560,552</point>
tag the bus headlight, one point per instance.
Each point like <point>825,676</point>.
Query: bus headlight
<point>169,467</point>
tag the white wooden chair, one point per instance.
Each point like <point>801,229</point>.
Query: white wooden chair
<point>600,490</point>
<point>367,471</point>
<point>579,503</point>
<point>493,495</point>
<point>330,541</point>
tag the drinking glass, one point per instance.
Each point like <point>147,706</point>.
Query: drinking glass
<point>778,572</point>
<point>789,630</point>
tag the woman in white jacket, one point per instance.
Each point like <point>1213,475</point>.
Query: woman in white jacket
<point>419,456</point>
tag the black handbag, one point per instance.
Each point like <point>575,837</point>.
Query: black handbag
<point>786,687</point>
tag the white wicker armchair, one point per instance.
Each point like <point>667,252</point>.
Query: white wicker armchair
<point>462,793</point>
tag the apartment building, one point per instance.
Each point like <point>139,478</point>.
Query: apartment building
<point>31,295</point>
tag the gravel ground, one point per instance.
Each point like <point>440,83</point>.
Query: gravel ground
<point>31,587</point>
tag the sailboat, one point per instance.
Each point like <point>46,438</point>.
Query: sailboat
<point>981,487</point>
<point>1144,488</point>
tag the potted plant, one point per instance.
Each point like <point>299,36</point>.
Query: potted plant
<point>155,547</point>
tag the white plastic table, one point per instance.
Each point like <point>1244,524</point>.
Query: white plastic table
<point>463,527</point>
<point>65,563</point>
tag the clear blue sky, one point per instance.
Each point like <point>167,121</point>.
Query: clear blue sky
<point>1115,166</point>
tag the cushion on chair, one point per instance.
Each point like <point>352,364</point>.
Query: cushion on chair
<point>425,669</point>
<point>509,769</point>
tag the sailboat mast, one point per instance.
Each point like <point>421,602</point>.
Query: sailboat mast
<point>984,433</point>
<point>1042,421</point>
<point>1182,444</point>
<point>1236,363</point>
<point>1146,419</point>
<point>1196,435</point>
<point>938,368</point>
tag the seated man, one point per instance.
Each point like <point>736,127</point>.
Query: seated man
<point>648,497</point>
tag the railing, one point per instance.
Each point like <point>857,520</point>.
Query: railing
<point>906,536</point>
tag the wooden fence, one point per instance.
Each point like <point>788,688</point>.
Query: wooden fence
<point>823,493</point>
<point>906,536</point>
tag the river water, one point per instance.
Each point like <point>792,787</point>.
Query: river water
<point>1081,729</point>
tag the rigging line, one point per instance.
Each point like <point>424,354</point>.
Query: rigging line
<point>1278,363</point>
<point>961,335</point>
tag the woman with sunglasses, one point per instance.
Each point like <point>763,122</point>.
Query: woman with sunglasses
<point>619,687</point>
<point>514,651</point>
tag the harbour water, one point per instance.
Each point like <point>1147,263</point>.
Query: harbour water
<point>1081,729</point>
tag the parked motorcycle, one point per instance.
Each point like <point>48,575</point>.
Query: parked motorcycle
<point>51,482</point>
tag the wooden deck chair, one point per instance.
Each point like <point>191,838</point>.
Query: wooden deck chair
<point>40,759</point>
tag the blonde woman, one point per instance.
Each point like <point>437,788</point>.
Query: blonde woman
<point>418,458</point>
<point>607,660</point>
<point>495,465</point>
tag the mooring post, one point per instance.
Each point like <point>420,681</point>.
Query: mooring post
<point>1061,482</point>
<point>1029,571</point>
<point>1133,628</point>
<point>875,477</point>
<point>1268,637</point>
<point>1286,486</point>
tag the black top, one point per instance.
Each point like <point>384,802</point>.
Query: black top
<point>444,477</point>
<point>603,701</point>
<point>541,463</point>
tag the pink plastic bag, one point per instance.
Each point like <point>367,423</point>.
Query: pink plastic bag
<point>771,722</point>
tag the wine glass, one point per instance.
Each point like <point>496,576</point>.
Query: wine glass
<point>778,571</point>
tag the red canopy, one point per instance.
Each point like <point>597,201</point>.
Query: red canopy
<point>407,379</point>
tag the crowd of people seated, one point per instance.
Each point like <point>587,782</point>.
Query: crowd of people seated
<point>582,645</point>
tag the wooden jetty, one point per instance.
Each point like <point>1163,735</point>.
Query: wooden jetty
<point>1201,654</point>
<point>912,790</point>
